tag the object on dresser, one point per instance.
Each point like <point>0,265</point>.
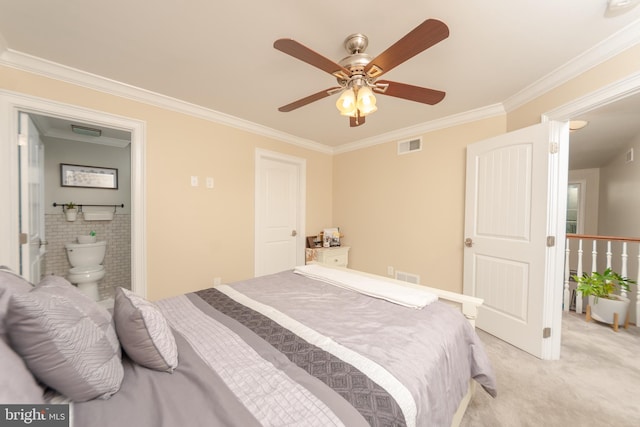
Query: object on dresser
<point>331,237</point>
<point>314,241</point>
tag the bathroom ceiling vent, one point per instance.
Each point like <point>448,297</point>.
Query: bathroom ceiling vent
<point>410,146</point>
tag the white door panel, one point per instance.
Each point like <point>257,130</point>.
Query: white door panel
<point>509,202</point>
<point>279,213</point>
<point>31,153</point>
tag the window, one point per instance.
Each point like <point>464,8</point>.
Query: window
<point>575,210</point>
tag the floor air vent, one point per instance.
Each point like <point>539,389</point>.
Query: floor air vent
<point>410,146</point>
<point>408,277</point>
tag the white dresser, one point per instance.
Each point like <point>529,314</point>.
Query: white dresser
<point>337,256</point>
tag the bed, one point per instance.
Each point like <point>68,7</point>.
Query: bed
<point>316,346</point>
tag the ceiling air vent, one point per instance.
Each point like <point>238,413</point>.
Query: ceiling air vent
<point>409,146</point>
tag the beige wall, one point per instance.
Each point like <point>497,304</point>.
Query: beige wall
<point>193,234</point>
<point>407,211</point>
<point>620,194</point>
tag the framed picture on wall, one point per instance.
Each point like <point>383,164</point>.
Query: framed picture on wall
<point>88,176</point>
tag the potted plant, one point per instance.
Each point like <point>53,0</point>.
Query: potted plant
<point>70,211</point>
<point>604,305</point>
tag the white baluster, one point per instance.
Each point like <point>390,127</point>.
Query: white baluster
<point>623,270</point>
<point>579,274</point>
<point>609,254</point>
<point>567,274</point>
<point>594,257</point>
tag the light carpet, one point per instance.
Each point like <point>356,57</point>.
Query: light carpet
<point>596,382</point>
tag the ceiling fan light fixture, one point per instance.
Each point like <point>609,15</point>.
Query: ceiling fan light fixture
<point>618,7</point>
<point>357,73</point>
<point>366,101</point>
<point>346,103</point>
<point>577,124</point>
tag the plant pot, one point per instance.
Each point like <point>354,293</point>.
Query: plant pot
<point>86,239</point>
<point>71,214</point>
<point>603,309</point>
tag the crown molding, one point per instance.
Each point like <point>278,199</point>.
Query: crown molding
<point>35,65</point>
<point>433,125</point>
<point>620,41</point>
<point>613,92</point>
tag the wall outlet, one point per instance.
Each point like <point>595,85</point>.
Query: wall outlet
<point>209,182</point>
<point>390,271</point>
<point>217,281</point>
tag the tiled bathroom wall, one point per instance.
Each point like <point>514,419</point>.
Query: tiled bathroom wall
<point>117,262</point>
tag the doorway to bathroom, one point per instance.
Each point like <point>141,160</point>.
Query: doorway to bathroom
<point>86,166</point>
<point>63,146</point>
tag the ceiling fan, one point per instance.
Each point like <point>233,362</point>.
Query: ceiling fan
<point>357,74</point>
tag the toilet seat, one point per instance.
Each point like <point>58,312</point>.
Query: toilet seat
<point>86,269</point>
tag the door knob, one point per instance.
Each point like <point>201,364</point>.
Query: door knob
<point>468,242</point>
<point>294,233</point>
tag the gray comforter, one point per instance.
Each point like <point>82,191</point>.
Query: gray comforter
<point>287,350</point>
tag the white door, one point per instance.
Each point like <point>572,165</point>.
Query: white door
<point>279,212</point>
<point>514,209</point>
<point>31,154</point>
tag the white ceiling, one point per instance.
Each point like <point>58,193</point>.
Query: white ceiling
<point>220,56</point>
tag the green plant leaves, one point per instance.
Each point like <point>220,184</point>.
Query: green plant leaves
<point>602,284</point>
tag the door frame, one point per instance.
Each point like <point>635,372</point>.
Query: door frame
<point>615,91</point>
<point>301,164</point>
<point>11,104</point>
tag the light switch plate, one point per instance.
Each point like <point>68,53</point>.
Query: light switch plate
<point>194,181</point>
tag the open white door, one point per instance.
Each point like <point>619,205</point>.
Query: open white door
<point>31,162</point>
<point>280,196</point>
<point>515,200</point>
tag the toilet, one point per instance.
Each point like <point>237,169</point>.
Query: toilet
<point>87,269</point>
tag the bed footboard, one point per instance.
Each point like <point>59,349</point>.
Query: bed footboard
<point>467,304</point>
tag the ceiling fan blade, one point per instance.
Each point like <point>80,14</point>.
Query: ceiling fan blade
<point>410,92</point>
<point>417,40</point>
<point>303,53</point>
<point>307,100</point>
<point>356,121</point>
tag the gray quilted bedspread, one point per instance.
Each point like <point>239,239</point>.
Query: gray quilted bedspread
<point>287,350</point>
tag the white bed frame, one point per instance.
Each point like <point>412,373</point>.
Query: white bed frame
<point>469,307</point>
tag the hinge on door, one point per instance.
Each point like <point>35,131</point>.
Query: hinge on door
<point>546,332</point>
<point>553,148</point>
<point>24,238</point>
<point>22,140</point>
<point>551,241</point>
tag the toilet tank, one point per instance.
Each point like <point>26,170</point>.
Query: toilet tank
<point>84,254</point>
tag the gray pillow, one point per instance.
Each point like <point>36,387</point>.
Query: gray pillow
<point>144,333</point>
<point>66,339</point>
<point>10,283</point>
<point>17,385</point>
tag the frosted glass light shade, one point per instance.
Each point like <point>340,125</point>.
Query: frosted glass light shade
<point>366,101</point>
<point>346,104</point>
